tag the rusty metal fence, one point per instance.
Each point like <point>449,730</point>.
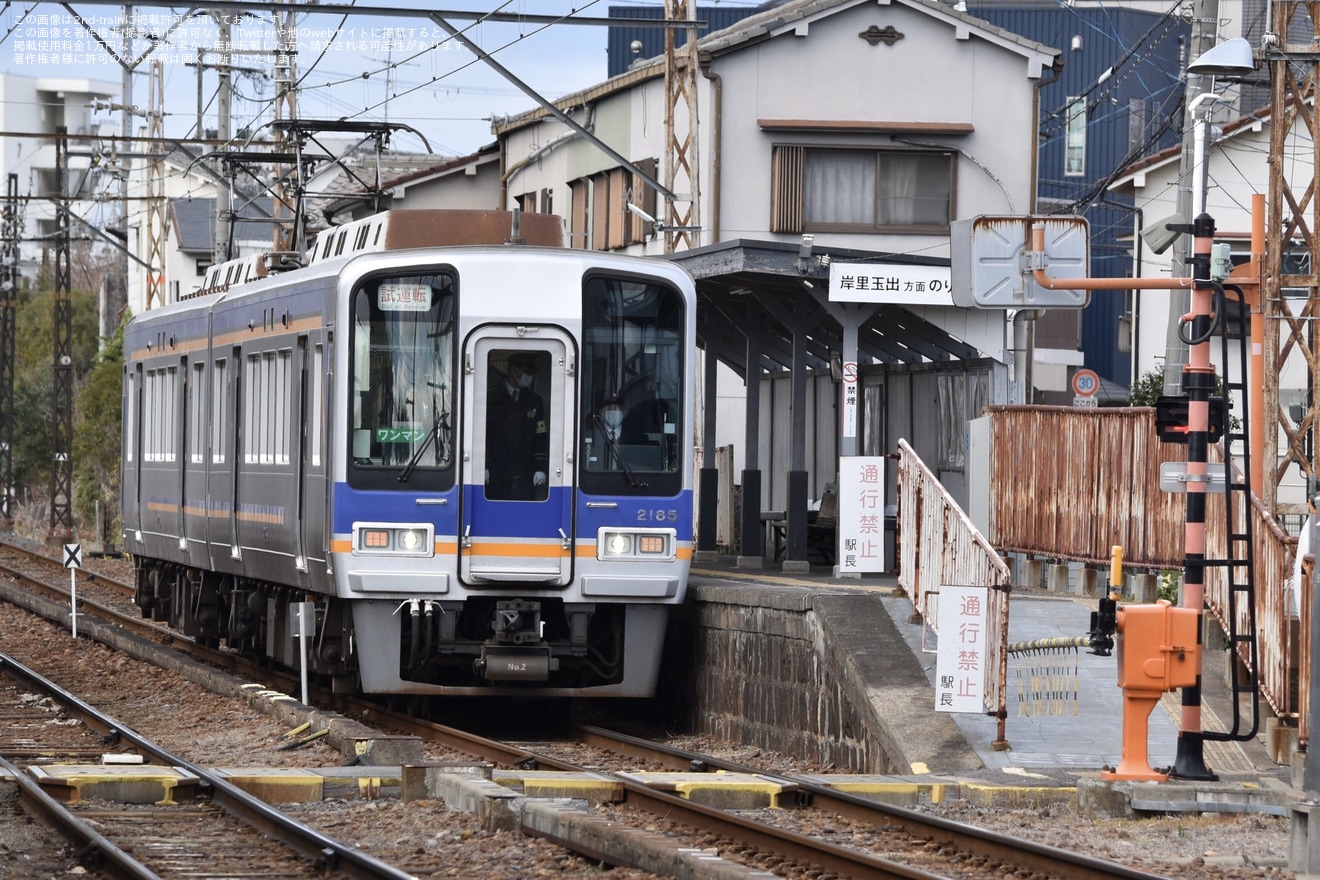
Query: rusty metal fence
<point>1281,654</point>
<point>948,549</point>
<point>1068,483</point>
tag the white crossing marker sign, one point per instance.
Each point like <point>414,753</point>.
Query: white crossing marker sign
<point>73,562</point>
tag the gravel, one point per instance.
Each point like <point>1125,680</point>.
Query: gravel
<point>428,839</point>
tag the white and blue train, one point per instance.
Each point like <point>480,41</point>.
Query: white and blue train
<point>339,435</point>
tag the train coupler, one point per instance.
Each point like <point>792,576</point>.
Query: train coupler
<point>518,622</point>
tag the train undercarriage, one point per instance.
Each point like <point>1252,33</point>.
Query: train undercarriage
<point>475,644</point>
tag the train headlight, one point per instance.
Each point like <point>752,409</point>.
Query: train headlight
<point>651,545</point>
<point>387,539</point>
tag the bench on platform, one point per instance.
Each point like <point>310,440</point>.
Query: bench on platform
<point>821,530</point>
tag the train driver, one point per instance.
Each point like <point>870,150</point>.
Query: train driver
<point>517,437</point>
<point>605,435</point>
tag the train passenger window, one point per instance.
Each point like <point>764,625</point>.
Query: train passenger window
<point>219,411</point>
<point>318,430</point>
<point>401,383</point>
<point>160,415</point>
<point>197,415</point>
<point>253,415</point>
<point>130,414</point>
<point>632,375</point>
<point>282,392</point>
<point>266,411</point>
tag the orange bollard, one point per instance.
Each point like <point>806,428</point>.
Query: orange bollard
<point>1157,652</point>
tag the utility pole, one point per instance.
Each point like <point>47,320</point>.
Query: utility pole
<point>1205,27</point>
<point>682,168</point>
<point>224,194</point>
<point>126,131</point>
<point>61,429</point>
<point>13,231</point>
<point>154,227</point>
<point>288,185</point>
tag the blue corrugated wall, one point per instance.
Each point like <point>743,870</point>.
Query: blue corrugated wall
<point>619,45</point>
<point>1147,54</point>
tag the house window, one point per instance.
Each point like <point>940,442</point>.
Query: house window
<point>202,265</point>
<point>861,190</point>
<point>600,211</point>
<point>527,203</point>
<point>599,217</point>
<point>1074,156</point>
<point>1136,123</point>
<point>577,231</point>
<point>644,197</point>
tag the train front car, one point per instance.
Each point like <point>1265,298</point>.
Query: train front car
<point>496,527</point>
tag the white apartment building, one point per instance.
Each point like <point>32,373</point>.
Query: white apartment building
<point>32,109</point>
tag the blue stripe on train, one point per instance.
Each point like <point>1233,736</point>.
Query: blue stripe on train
<point>520,519</point>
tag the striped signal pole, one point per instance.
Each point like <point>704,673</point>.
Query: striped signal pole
<point>1199,383</point>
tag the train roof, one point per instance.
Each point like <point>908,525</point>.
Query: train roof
<point>391,231</point>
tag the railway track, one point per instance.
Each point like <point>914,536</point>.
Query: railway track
<point>223,832</point>
<point>915,845</point>
<point>888,841</point>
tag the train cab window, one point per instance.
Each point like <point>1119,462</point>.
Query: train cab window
<point>632,376</point>
<point>401,377</point>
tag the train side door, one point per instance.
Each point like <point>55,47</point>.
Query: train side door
<point>517,495</point>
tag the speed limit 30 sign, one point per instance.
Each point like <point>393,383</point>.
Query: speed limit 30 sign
<point>1085,384</point>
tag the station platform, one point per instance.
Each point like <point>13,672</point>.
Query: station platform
<point>1064,742</point>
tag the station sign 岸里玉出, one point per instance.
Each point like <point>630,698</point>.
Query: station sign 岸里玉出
<point>897,283</point>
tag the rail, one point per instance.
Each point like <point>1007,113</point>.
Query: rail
<point>948,549</point>
<point>326,854</point>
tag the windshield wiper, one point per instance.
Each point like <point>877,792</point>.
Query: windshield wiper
<point>432,436</point>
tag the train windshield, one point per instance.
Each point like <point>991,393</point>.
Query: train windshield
<point>402,383</point>
<point>632,376</point>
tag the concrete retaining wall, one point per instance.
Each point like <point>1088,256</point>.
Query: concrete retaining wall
<point>819,674</point>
